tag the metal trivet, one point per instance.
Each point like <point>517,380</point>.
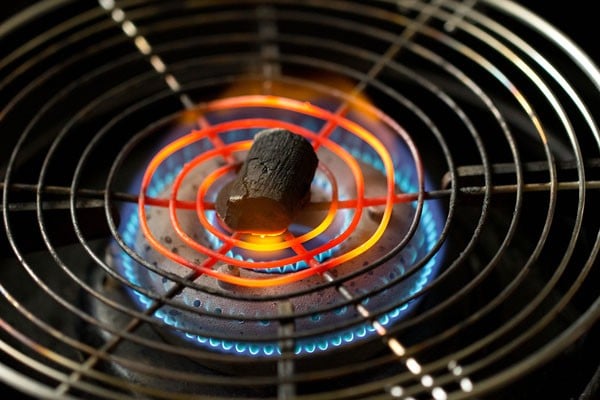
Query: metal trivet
<point>498,107</point>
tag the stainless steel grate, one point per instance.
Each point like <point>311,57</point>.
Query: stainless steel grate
<point>497,105</point>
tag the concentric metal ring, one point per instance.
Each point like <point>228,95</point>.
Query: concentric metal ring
<point>500,110</point>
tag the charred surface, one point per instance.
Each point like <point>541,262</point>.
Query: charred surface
<point>272,185</point>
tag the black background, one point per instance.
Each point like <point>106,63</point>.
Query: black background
<point>576,18</point>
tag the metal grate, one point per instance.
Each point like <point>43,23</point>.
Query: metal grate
<point>497,107</point>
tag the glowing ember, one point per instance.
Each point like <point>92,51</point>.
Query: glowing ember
<point>273,184</point>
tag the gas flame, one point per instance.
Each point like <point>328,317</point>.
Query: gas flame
<point>319,102</point>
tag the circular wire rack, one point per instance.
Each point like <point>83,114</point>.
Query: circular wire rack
<point>493,109</point>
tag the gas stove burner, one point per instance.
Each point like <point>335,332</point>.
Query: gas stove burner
<point>449,248</point>
<point>360,220</point>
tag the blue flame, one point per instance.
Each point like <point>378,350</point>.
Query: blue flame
<point>422,243</point>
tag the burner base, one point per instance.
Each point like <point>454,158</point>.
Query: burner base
<point>171,353</point>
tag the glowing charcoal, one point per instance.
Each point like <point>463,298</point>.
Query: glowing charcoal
<point>272,184</point>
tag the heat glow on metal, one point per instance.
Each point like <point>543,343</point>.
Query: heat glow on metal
<point>301,252</point>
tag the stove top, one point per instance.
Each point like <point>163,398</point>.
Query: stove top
<point>447,248</point>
